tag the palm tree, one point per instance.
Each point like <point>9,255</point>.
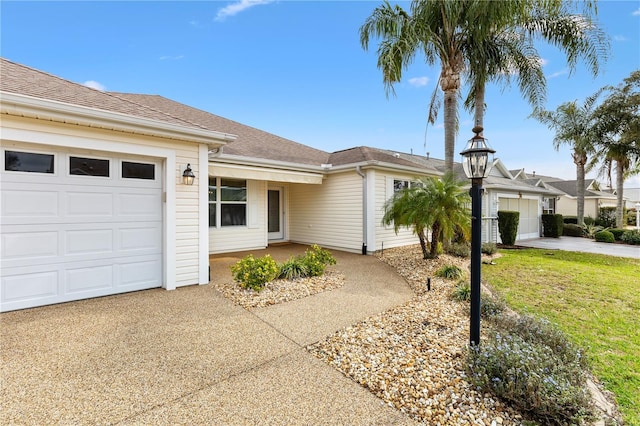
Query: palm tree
<point>489,40</point>
<point>618,131</point>
<point>440,205</point>
<point>573,125</point>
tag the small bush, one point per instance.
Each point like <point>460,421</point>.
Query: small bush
<point>573,220</point>
<point>589,220</point>
<point>459,249</point>
<point>508,226</point>
<point>631,237</point>
<point>604,237</point>
<point>293,268</point>
<point>552,225</point>
<point>316,260</point>
<point>606,217</point>
<point>631,217</point>
<point>451,272</point>
<point>462,292</point>
<point>490,306</point>
<point>532,378</point>
<point>590,231</point>
<point>489,248</point>
<point>253,273</point>
<point>617,233</point>
<point>571,230</point>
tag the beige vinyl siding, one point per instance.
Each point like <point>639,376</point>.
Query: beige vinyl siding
<point>251,236</point>
<point>329,214</point>
<point>385,235</point>
<point>186,208</point>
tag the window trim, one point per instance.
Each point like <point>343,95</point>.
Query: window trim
<point>218,202</point>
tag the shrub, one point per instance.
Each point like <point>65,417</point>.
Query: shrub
<point>462,292</point>
<point>508,226</point>
<point>631,217</point>
<point>571,230</point>
<point>591,230</point>
<point>606,217</point>
<point>489,248</point>
<point>589,220</point>
<point>552,225</point>
<point>316,260</point>
<point>293,268</point>
<point>254,273</point>
<point>491,306</point>
<point>531,377</point>
<point>604,237</point>
<point>570,219</point>
<point>631,237</point>
<point>459,249</point>
<point>617,233</point>
<point>450,271</point>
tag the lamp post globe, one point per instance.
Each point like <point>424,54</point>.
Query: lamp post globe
<point>477,159</point>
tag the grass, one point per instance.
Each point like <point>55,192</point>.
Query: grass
<point>594,298</point>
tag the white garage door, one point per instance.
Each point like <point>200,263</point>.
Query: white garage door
<point>529,225</point>
<point>77,225</point>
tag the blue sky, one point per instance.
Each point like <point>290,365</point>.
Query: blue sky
<point>295,69</point>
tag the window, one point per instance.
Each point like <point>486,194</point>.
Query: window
<point>16,161</point>
<point>549,205</point>
<point>88,167</point>
<point>227,202</point>
<point>138,170</point>
<point>403,184</point>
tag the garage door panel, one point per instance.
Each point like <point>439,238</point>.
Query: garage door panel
<point>94,278</point>
<point>23,202</point>
<point>88,204</point>
<point>135,204</point>
<point>29,286</point>
<point>89,241</point>
<point>29,245</point>
<point>140,239</point>
<point>140,274</point>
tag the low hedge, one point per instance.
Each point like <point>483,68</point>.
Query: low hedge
<point>605,237</point>
<point>552,225</point>
<point>508,226</point>
<point>617,233</point>
<point>572,230</point>
<point>631,237</point>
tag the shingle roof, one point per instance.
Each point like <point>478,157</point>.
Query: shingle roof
<point>20,79</point>
<point>362,154</point>
<point>251,142</point>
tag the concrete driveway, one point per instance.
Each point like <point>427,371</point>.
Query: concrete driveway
<point>190,356</point>
<point>585,245</point>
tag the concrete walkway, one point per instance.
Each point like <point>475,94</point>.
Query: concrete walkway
<point>190,356</point>
<point>585,245</point>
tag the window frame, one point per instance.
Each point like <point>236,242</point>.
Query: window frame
<point>218,202</point>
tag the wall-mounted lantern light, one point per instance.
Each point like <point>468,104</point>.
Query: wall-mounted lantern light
<point>187,176</point>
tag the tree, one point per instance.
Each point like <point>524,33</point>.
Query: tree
<point>440,205</point>
<point>617,127</point>
<point>573,125</point>
<point>489,40</point>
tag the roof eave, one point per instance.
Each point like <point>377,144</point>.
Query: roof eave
<point>45,109</point>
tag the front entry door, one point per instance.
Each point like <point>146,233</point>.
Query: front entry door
<point>275,214</point>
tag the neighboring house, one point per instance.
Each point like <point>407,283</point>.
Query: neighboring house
<point>93,200</point>
<point>594,198</point>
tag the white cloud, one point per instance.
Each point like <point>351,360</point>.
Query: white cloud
<point>171,58</point>
<point>636,12</point>
<point>558,73</point>
<point>237,7</point>
<point>419,81</point>
<point>619,38</point>
<point>95,85</point>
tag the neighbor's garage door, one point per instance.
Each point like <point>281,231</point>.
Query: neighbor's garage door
<point>76,225</point>
<point>528,226</point>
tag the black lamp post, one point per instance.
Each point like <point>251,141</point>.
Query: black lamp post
<point>477,159</point>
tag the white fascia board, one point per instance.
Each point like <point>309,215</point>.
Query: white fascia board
<point>380,165</point>
<point>28,106</point>
<point>263,162</point>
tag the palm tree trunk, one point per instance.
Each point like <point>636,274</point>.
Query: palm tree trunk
<point>423,244</point>
<point>435,238</point>
<point>450,84</point>
<point>580,160</point>
<point>619,189</point>
<point>478,113</point>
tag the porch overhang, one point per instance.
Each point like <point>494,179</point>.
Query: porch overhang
<point>264,173</point>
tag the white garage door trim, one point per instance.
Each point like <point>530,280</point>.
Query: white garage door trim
<point>10,136</point>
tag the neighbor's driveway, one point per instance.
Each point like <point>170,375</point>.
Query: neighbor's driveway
<point>585,245</point>
<point>190,356</point>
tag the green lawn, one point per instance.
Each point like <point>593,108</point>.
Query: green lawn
<point>594,298</point>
